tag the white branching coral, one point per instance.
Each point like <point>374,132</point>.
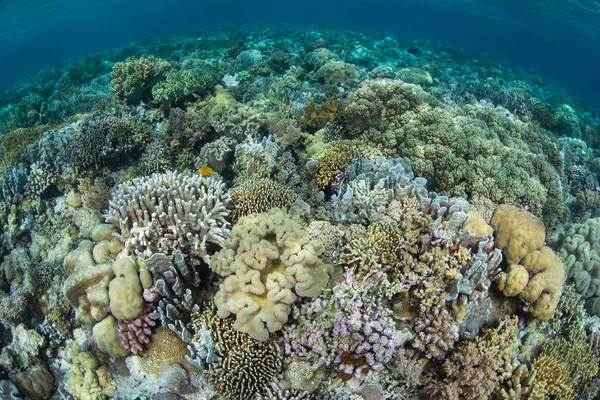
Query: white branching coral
<point>168,211</point>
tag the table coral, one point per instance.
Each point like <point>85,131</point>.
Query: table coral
<point>268,261</point>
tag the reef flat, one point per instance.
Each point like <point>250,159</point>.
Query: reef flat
<point>297,214</point>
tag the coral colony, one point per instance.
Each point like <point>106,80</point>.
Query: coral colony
<point>244,216</point>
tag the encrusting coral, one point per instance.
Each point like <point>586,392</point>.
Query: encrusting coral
<point>268,261</point>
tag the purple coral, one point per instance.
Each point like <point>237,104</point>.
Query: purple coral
<point>135,333</point>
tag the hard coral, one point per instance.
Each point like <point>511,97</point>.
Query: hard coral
<point>539,275</point>
<point>267,262</point>
<point>131,78</point>
<point>476,368</point>
<point>260,195</point>
<point>135,333</point>
<point>243,367</point>
<point>171,211</point>
<point>336,156</point>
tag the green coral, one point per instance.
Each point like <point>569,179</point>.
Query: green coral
<point>182,83</point>
<point>574,354</point>
<point>337,155</point>
<point>13,144</point>
<point>472,151</point>
<point>129,79</point>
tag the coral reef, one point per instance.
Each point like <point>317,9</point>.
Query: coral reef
<point>351,216</point>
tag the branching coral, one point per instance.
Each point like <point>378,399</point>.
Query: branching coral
<point>351,328</point>
<point>171,211</point>
<point>241,367</point>
<point>129,79</point>
<point>475,369</point>
<point>260,195</point>
<point>473,151</point>
<point>268,261</point>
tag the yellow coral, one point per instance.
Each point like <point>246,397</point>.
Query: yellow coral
<point>337,155</point>
<point>260,195</point>
<point>517,232</point>
<point>84,382</point>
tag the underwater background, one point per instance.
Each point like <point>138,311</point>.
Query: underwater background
<point>285,201</point>
<point>559,38</point>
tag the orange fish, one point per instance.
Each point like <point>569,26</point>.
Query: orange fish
<point>205,171</point>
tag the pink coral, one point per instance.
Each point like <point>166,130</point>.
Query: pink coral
<point>135,333</point>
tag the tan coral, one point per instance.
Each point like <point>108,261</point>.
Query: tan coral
<point>86,288</point>
<point>125,290</point>
<point>268,260</point>
<point>477,225</point>
<point>547,273</point>
<point>518,232</point>
<point>106,336</point>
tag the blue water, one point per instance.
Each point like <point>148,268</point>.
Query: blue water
<point>560,39</point>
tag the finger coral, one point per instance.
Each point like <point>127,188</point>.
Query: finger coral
<point>168,211</point>
<point>268,261</point>
<point>260,195</point>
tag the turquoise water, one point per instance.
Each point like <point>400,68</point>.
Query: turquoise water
<point>559,38</point>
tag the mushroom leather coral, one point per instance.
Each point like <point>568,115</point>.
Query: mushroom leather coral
<point>268,260</point>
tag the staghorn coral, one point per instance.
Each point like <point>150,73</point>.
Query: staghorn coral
<point>129,79</point>
<point>268,261</point>
<point>260,195</point>
<point>330,163</point>
<point>171,211</point>
<point>574,355</point>
<point>476,368</point>
<point>240,367</point>
<point>317,115</point>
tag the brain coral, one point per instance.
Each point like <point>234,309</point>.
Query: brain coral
<point>581,252</point>
<point>267,262</point>
<point>473,150</point>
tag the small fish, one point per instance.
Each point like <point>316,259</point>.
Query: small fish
<point>206,171</point>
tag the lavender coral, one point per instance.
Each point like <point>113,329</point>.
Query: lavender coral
<point>135,333</point>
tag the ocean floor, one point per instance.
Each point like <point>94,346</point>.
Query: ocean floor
<point>297,214</point>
